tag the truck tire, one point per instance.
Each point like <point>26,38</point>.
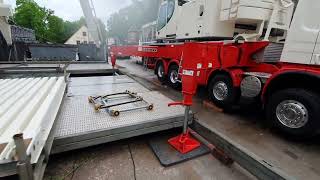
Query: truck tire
<point>222,93</point>
<point>160,72</point>
<point>173,74</point>
<point>294,112</point>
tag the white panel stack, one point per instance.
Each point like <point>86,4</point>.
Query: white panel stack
<point>28,106</point>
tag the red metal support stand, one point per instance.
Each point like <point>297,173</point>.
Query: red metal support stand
<point>188,52</point>
<point>184,143</point>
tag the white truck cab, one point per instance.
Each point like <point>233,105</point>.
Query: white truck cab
<point>223,19</point>
<point>302,44</point>
<point>192,19</point>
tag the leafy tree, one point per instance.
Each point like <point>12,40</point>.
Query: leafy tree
<point>30,15</point>
<point>47,26</point>
<point>55,29</point>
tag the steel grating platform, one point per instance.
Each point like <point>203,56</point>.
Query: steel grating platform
<point>87,68</point>
<point>79,126</point>
<point>90,86</point>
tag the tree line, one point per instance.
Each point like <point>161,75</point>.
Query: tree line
<point>47,26</point>
<point>50,28</point>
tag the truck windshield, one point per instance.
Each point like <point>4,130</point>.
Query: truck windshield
<point>165,13</point>
<point>162,18</point>
<point>171,6</point>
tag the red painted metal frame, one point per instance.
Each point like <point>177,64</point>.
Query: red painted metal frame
<point>167,54</point>
<point>173,51</point>
<point>200,61</point>
<point>284,68</point>
<point>185,143</point>
<point>210,57</point>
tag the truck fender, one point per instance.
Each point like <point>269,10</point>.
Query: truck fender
<point>235,74</point>
<point>284,75</point>
<point>165,65</point>
<point>171,62</point>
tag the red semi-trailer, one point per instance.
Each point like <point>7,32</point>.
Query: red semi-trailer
<point>233,69</point>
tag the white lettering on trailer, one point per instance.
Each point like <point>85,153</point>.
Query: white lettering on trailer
<point>210,65</point>
<point>149,50</point>
<point>199,66</point>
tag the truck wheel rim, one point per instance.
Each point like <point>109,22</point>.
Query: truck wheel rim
<point>160,71</point>
<point>220,91</point>
<point>292,114</point>
<point>174,77</point>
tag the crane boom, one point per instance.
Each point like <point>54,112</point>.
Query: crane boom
<point>93,26</point>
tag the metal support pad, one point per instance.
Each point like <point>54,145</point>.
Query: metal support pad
<point>168,155</point>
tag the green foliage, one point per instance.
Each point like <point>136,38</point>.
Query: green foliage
<point>47,26</point>
<point>140,12</point>
<point>55,30</point>
<point>28,14</point>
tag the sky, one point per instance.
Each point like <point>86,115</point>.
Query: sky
<point>71,9</point>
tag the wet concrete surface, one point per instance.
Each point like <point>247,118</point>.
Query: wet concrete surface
<point>133,159</point>
<point>246,125</point>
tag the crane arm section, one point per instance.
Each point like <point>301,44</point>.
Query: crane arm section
<point>91,21</point>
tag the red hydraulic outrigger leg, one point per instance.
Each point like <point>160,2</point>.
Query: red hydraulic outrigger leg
<point>185,143</point>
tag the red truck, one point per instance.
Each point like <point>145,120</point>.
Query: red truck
<point>285,75</point>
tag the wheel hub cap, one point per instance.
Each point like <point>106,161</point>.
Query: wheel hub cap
<point>160,71</point>
<point>174,77</point>
<point>292,114</point>
<point>220,91</point>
